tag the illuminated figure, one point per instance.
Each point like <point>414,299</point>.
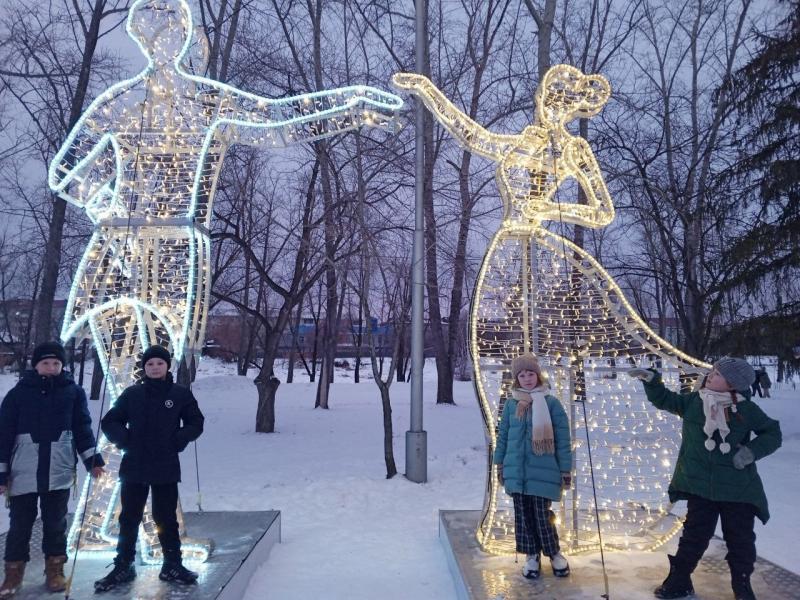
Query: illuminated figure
<point>538,292</point>
<point>143,161</point>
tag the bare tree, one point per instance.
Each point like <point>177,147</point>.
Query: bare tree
<point>56,48</point>
<point>674,151</point>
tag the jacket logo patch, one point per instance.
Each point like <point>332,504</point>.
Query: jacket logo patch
<point>168,403</point>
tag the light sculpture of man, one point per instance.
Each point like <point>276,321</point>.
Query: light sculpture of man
<point>143,161</point>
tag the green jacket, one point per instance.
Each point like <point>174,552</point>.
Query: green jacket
<point>711,474</point>
<point>523,471</point>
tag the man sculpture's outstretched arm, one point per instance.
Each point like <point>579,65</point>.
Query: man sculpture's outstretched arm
<point>307,117</point>
<point>470,134</point>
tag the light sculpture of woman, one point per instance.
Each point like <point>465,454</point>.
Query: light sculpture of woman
<point>143,161</point>
<point>538,292</point>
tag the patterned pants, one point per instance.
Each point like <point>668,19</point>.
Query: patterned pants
<point>534,525</point>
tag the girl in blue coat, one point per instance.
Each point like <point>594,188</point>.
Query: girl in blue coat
<point>534,463</point>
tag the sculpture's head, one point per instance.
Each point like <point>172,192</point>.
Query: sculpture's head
<point>565,94</point>
<point>162,28</point>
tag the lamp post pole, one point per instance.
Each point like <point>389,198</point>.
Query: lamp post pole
<point>416,437</point>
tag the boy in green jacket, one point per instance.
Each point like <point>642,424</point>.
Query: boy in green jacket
<point>715,471</point>
<point>534,463</point>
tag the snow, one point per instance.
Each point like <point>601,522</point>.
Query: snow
<point>348,531</point>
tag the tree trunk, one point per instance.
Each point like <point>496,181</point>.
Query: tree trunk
<point>97,377</point>
<point>293,348</point>
<point>267,386</point>
<point>84,346</point>
<point>388,448</point>
<point>55,233</point>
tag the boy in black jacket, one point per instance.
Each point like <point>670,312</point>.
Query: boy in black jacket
<point>151,422</point>
<point>44,421</point>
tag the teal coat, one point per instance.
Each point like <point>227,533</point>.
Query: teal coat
<point>711,474</point>
<point>523,471</point>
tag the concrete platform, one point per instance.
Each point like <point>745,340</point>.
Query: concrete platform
<point>242,542</point>
<point>631,576</point>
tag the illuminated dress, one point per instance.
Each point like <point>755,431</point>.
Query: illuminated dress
<point>143,161</point>
<point>538,292</point>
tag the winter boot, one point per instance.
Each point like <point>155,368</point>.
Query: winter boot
<point>123,572</point>
<point>54,573</point>
<point>15,571</point>
<point>678,583</point>
<point>173,570</point>
<point>742,590</point>
<point>531,568</point>
<point>560,565</point>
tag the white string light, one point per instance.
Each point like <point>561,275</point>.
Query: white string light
<point>143,161</point>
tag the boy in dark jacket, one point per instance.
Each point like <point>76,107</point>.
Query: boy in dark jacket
<point>151,422</point>
<point>715,471</point>
<point>44,420</point>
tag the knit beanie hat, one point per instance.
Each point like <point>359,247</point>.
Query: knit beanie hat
<point>156,351</point>
<point>48,350</point>
<point>737,372</point>
<point>526,362</point>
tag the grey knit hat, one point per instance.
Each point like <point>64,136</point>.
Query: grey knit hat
<point>737,372</point>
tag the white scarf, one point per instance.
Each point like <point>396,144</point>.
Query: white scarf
<point>542,438</point>
<point>714,405</point>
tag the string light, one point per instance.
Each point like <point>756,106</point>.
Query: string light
<point>539,292</point>
<point>143,161</point>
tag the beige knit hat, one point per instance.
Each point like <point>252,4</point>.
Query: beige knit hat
<point>527,362</point>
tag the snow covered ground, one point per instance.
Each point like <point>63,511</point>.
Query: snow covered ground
<point>350,533</point>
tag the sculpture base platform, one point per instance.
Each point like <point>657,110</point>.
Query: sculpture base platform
<point>242,541</point>
<point>631,576</point>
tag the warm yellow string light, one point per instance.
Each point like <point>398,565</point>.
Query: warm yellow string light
<point>538,292</point>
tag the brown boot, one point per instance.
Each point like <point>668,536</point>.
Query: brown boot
<point>15,571</point>
<point>54,573</point>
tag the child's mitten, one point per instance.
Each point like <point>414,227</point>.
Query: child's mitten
<point>743,457</point>
<point>643,374</point>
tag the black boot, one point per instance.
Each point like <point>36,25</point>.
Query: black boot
<point>678,583</point>
<point>173,570</point>
<point>742,590</point>
<point>123,572</point>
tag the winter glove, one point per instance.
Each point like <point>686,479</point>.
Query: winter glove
<point>645,375</point>
<point>500,474</point>
<point>743,457</point>
<point>566,480</point>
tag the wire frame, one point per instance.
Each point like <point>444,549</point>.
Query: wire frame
<point>143,162</point>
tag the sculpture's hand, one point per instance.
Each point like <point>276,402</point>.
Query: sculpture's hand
<point>411,82</point>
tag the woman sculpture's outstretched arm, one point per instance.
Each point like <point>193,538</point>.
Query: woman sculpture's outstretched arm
<point>470,134</point>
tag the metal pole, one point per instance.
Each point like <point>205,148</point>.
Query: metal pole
<point>416,437</point>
